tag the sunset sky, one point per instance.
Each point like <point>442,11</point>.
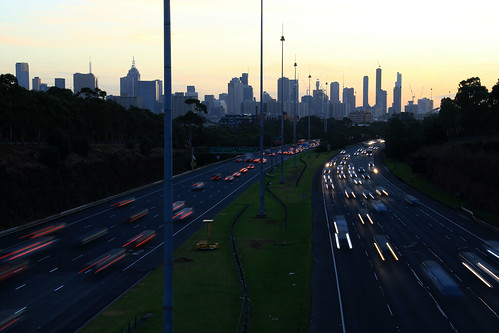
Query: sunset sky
<point>434,44</point>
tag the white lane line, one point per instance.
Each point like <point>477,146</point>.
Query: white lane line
<point>59,288</point>
<point>43,258</point>
<point>111,216</point>
<point>464,239</point>
<point>457,277</point>
<point>161,226</point>
<point>375,276</point>
<point>155,215</point>
<point>20,310</point>
<point>114,225</point>
<point>87,226</point>
<point>81,255</point>
<point>54,269</point>
<point>488,306</point>
<point>21,286</point>
<point>111,240</point>
<point>388,306</point>
<point>435,255</point>
<point>447,237</point>
<point>153,207</point>
<point>367,255</point>
<point>136,226</point>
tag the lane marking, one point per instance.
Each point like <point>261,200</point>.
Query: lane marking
<point>81,255</point>
<point>111,240</point>
<point>43,258</point>
<point>59,288</point>
<point>54,269</point>
<point>21,286</point>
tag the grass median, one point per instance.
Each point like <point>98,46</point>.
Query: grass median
<point>276,260</point>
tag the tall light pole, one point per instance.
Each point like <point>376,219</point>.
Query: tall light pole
<point>168,178</point>
<point>309,77</point>
<point>262,195</point>
<point>326,111</point>
<point>282,107</point>
<point>294,115</point>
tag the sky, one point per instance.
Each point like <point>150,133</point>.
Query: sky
<point>434,44</point>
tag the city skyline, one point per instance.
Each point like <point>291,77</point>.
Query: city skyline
<point>213,42</point>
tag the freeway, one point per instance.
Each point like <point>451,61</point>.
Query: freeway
<point>57,276</point>
<point>412,264</point>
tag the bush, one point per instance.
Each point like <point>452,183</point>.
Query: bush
<point>50,156</point>
<point>146,146</point>
<point>57,138</point>
<point>130,144</point>
<point>80,145</point>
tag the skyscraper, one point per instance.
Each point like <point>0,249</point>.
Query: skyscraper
<point>129,83</point>
<point>60,83</point>
<point>397,95</point>
<point>149,91</point>
<point>22,74</point>
<point>335,92</point>
<point>283,91</point>
<point>365,93</point>
<point>84,81</point>
<point>235,96</point>
<point>378,85</point>
<point>349,100</point>
<point>36,83</point>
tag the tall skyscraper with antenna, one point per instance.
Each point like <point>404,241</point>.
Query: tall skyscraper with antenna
<point>365,93</point>
<point>129,83</point>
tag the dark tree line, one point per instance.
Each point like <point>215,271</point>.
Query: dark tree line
<point>31,116</point>
<point>474,112</point>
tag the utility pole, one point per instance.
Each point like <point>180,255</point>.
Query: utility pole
<point>282,107</point>
<point>261,214</point>
<point>168,177</point>
<point>309,77</point>
<point>294,116</point>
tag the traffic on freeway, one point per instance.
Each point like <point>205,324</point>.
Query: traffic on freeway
<point>413,264</point>
<point>56,276</point>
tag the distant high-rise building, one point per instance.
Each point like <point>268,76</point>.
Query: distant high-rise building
<point>335,92</point>
<point>191,92</point>
<point>349,99</point>
<point>283,92</point>
<point>60,83</point>
<point>244,79</point>
<point>129,83</point>
<point>378,87</point>
<point>22,74</point>
<point>36,83</point>
<point>425,105</point>
<point>365,93</point>
<point>397,95</point>
<point>84,81</point>
<point>294,88</point>
<point>235,98</point>
<point>44,87</point>
<point>149,92</point>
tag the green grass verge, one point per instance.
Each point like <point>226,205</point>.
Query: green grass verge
<point>277,264</point>
<point>404,172</point>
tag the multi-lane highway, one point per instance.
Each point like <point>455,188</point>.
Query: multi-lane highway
<point>70,268</point>
<point>412,262</point>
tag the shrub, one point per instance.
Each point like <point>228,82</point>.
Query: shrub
<point>50,156</point>
<point>80,145</point>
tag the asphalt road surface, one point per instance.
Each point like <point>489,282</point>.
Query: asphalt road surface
<point>422,284</point>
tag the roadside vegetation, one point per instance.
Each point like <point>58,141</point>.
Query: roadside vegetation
<point>276,261</point>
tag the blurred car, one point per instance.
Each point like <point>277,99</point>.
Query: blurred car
<point>343,152</point>
<point>229,178</point>
<point>11,269</point>
<point>492,248</point>
<point>140,239</point>
<point>361,170</point>
<point>10,319</point>
<point>238,160</point>
<point>342,175</point>
<point>440,279</point>
<point>104,261</point>
<point>349,193</point>
<point>379,207</point>
<point>483,270</point>
<point>367,195</point>
<point>341,235</point>
<point>381,191</point>
<point>329,185</point>
<point>250,166</point>
<point>197,186</point>
<point>27,249</point>
<point>411,200</point>
<point>366,176</point>
<point>123,202</point>
<point>137,216</point>
<point>243,170</point>
<point>236,174</point>
<point>370,166</point>
<point>92,236</point>
<point>216,176</point>
<point>383,247</point>
<point>183,214</point>
<point>178,205</point>
<point>53,228</point>
<point>364,216</point>
<point>357,181</point>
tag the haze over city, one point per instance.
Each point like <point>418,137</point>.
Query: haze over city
<point>430,43</point>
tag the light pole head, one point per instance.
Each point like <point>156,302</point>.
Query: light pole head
<point>282,39</point>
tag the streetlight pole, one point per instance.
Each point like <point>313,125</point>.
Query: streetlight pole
<point>282,108</point>
<point>168,178</point>
<point>309,77</point>
<point>326,111</point>
<point>294,116</point>
<point>262,195</point>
